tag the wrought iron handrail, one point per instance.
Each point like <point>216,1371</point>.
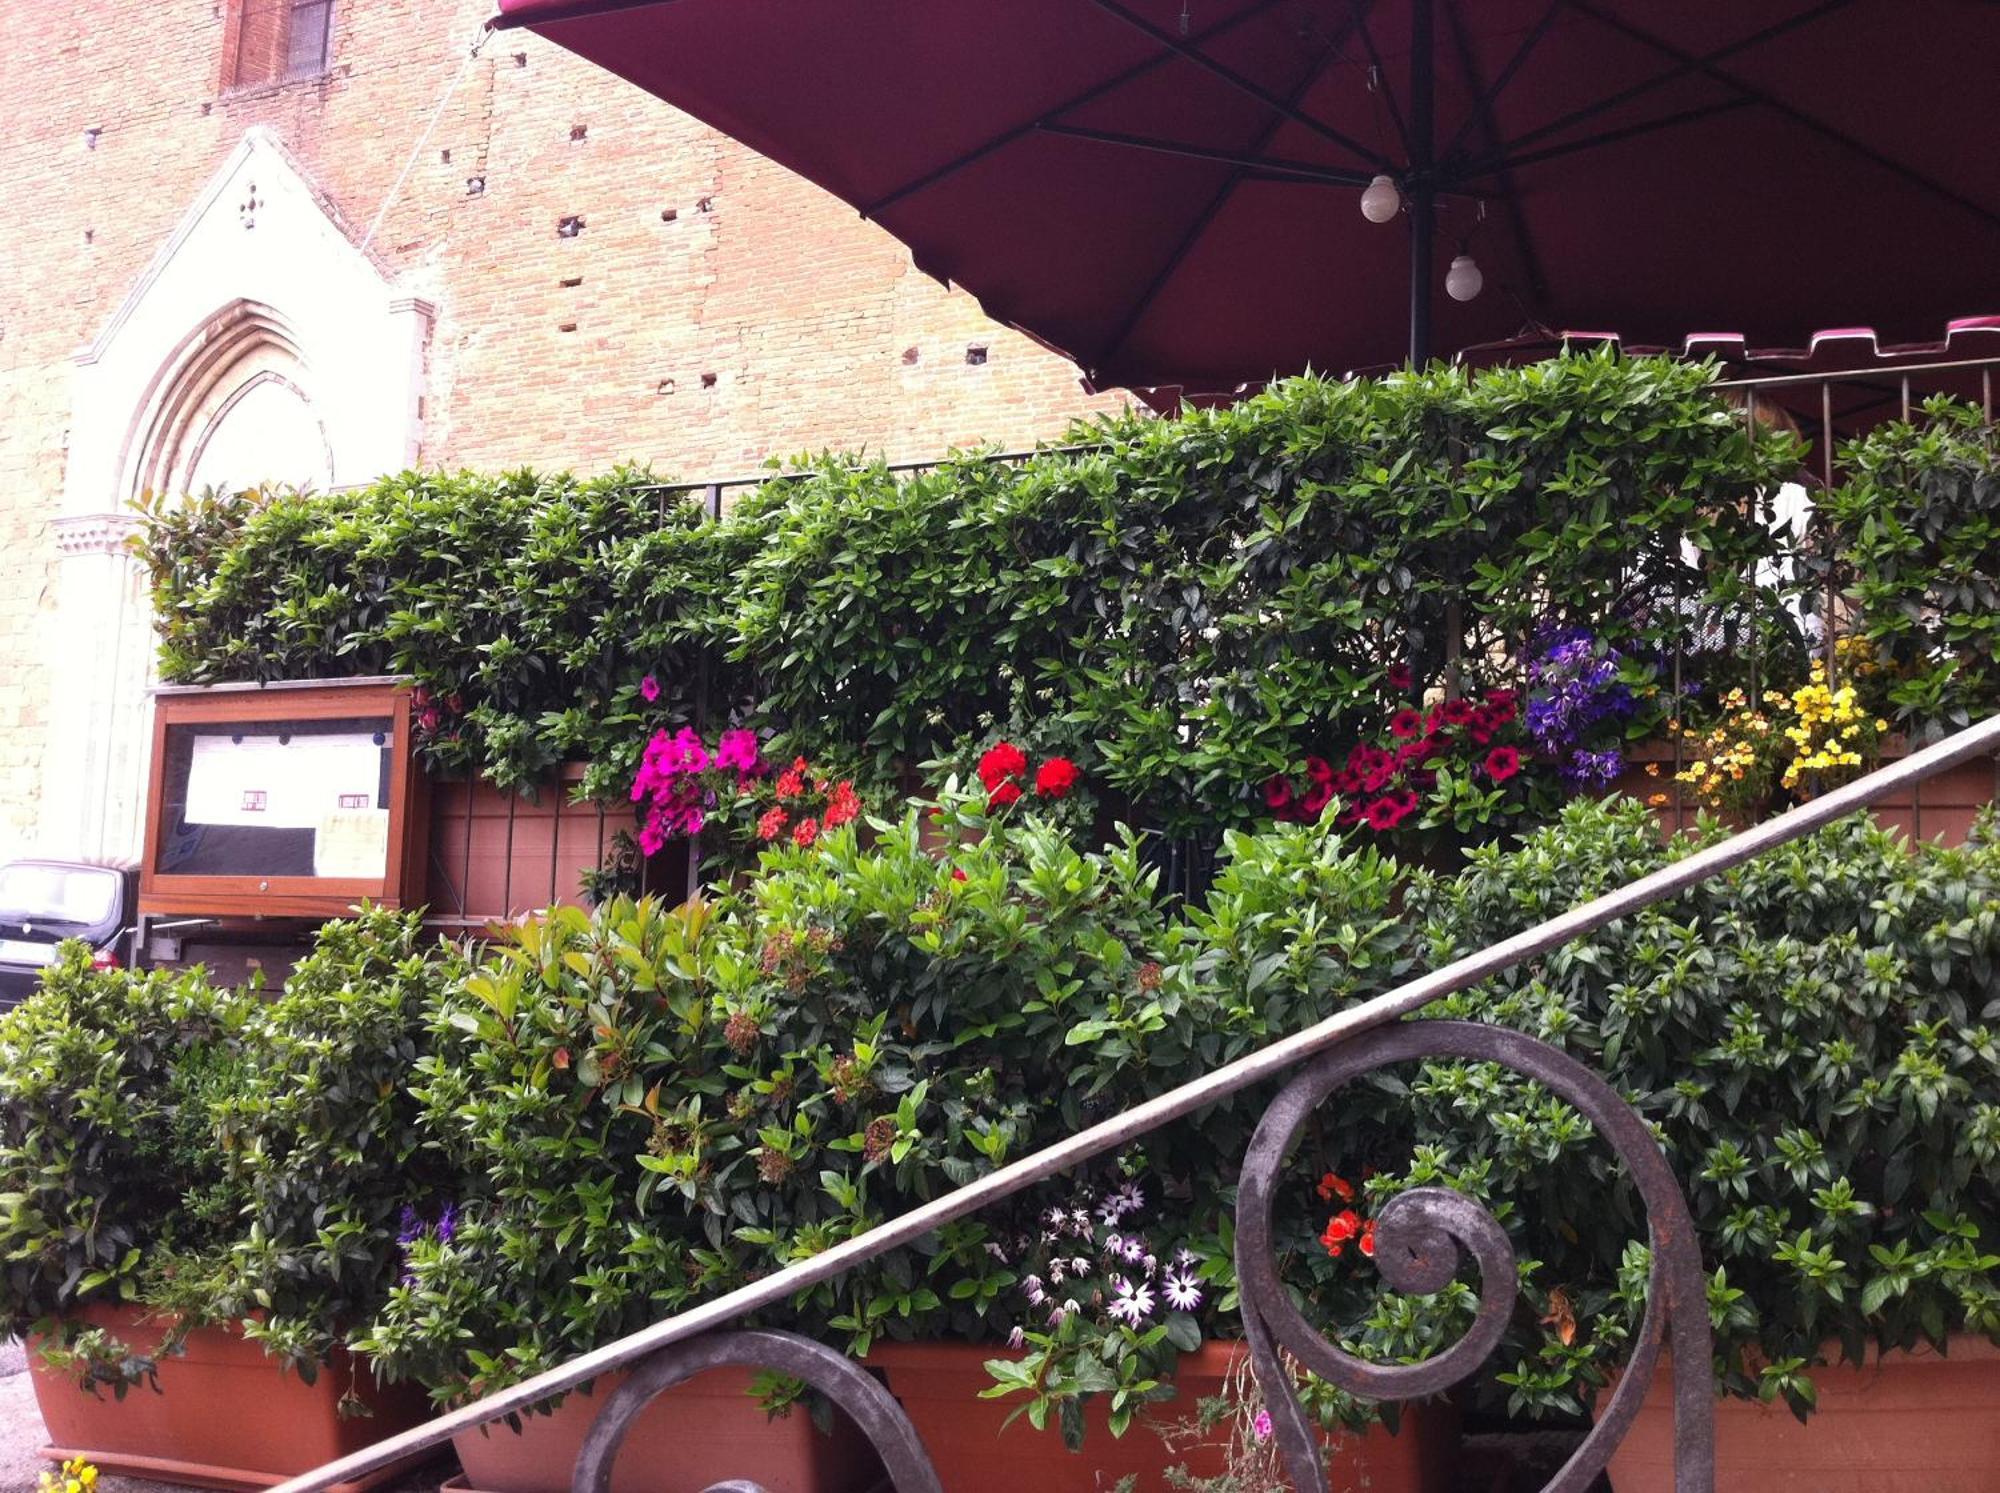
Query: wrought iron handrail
<point>1417,1231</point>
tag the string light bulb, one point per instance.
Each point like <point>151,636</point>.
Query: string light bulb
<point>1380,202</point>
<point>1463,280</point>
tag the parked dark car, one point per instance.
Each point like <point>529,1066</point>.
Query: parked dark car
<point>44,902</point>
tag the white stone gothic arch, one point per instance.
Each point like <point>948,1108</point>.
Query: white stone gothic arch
<point>260,345</point>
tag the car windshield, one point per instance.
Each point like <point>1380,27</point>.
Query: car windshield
<point>57,894</point>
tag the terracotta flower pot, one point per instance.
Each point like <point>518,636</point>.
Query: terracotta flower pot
<point>694,1436</point>
<point>226,1415</point>
<point>1911,1422</point>
<point>939,1384</point>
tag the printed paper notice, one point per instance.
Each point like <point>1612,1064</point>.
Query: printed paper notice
<point>352,842</point>
<point>294,784</point>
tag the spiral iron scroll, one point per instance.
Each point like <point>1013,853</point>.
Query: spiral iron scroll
<point>1421,1235</point>
<point>872,1409</point>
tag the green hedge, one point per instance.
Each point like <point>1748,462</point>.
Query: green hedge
<point>1185,608</point>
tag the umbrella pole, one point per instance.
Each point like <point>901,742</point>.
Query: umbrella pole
<point>1423,185</point>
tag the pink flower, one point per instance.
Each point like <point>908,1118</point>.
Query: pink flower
<point>736,751</point>
<point>1260,1426</point>
<point>649,689</point>
<point>1502,763</point>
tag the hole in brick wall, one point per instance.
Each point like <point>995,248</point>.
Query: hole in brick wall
<point>705,204</point>
<point>666,386</point>
<point>90,235</point>
<point>569,227</point>
<point>571,282</point>
<point>910,357</point>
<point>474,185</point>
<point>670,214</point>
<point>90,137</point>
<point>520,59</point>
<point>579,131</point>
<point>708,381</point>
<point>567,326</point>
<point>975,355</point>
<point>206,107</point>
<point>444,156</point>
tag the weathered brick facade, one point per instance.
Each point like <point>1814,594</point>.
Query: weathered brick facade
<point>712,310</point>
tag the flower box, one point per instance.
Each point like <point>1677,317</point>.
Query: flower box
<point>226,1415</point>
<point>974,1449</point>
<point>695,1436</point>
<point>1915,1422</point>
<point>1942,808</point>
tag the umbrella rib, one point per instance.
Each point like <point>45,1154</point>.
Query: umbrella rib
<point>1207,216</point>
<point>1288,108</point>
<point>1495,165</point>
<point>1028,127</point>
<point>1796,115</point>
<point>1688,63</point>
<point>1382,78</point>
<point>1482,112</point>
<point>1506,75</point>
<point>577,10</point>
<point>1276,167</point>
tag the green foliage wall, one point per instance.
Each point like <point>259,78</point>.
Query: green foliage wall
<point>1184,607</point>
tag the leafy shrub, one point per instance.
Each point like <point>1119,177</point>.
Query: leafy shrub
<point>108,1167</point>
<point>1810,1036</point>
<point>1186,608</point>
<point>1915,535</point>
<point>322,1135</point>
<point>652,1106</point>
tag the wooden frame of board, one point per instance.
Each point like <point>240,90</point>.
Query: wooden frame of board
<point>290,896</point>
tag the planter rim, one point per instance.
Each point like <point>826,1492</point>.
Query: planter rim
<point>1960,1347</point>
<point>1213,1359</point>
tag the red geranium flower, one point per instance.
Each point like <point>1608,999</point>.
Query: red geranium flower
<point>792,781</point>
<point>1277,792</point>
<point>1319,769</point>
<point>842,804</point>
<point>1502,763</point>
<point>772,824</point>
<point>1340,1228</point>
<point>1057,777</point>
<point>1331,1187</point>
<point>1005,794</point>
<point>806,831</point>
<point>1003,760</point>
<point>1398,676</point>
<point>1405,723</point>
<point>1366,1243</point>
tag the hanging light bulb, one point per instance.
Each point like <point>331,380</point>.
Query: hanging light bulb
<point>1463,280</point>
<point>1381,201</point>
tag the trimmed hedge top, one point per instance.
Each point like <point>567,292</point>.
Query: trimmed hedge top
<point>1182,607</point>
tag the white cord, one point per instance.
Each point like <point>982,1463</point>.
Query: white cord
<point>424,139</point>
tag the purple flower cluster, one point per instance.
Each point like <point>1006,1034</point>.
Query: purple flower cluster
<point>1574,692</point>
<point>411,1227</point>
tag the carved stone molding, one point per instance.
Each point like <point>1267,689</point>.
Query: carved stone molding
<point>94,533</point>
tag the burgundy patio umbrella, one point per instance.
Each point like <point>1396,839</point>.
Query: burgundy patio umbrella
<point>1186,192</point>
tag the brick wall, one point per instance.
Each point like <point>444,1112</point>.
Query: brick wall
<point>713,310</point>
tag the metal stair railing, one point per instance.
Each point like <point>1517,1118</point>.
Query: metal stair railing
<point>1421,1235</point>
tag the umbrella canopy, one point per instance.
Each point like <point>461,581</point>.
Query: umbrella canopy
<point>1170,191</point>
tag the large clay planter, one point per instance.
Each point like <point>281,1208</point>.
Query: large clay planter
<point>700,1433</point>
<point>226,1415</point>
<point>939,1384</point>
<point>1907,1423</point>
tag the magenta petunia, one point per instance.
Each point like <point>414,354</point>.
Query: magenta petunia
<point>649,689</point>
